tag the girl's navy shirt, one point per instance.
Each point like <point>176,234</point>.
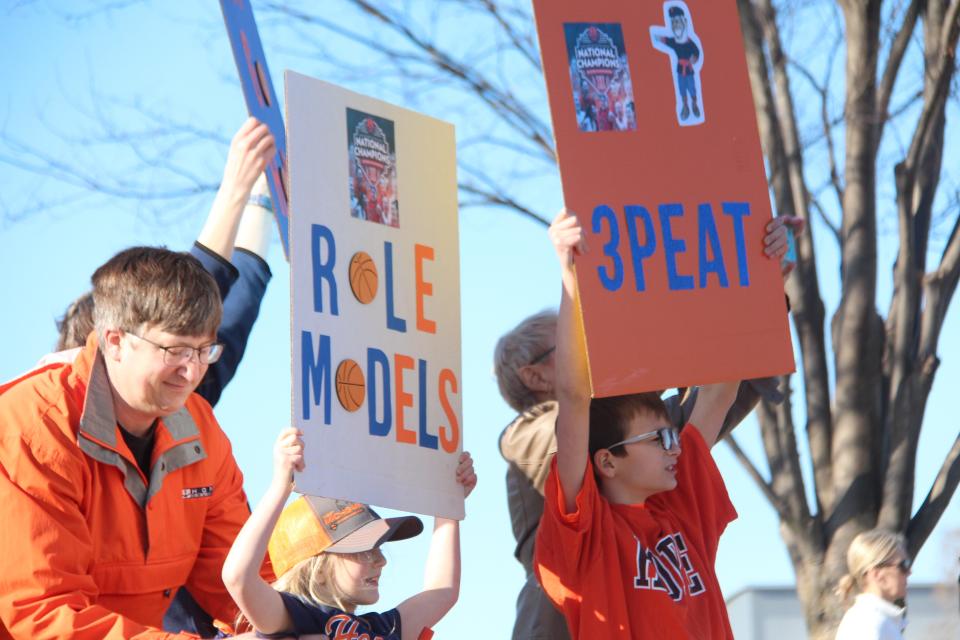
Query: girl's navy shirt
<point>310,617</point>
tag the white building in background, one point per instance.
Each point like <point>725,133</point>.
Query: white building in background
<point>773,613</point>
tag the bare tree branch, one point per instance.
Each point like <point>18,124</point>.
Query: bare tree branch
<point>823,89</point>
<point>523,42</point>
<point>939,289</point>
<point>815,203</point>
<point>757,477</point>
<point>778,126</point>
<point>941,76</point>
<point>933,506</point>
<point>917,177</point>
<point>856,331</point>
<point>892,70</point>
<point>786,478</point>
<point>505,104</point>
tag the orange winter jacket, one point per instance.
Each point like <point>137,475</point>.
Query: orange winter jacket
<point>90,547</point>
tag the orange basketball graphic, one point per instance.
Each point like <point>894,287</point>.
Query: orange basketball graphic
<point>363,277</point>
<point>351,387</point>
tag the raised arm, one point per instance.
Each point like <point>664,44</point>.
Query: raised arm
<point>748,395</point>
<point>441,578</point>
<point>572,375</point>
<point>713,403</point>
<point>241,221</point>
<point>257,600</point>
<point>250,150</point>
<point>750,392</point>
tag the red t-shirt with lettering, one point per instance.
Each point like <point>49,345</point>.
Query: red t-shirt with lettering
<point>641,570</point>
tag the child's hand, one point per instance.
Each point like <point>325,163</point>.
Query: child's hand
<point>567,237</point>
<point>465,473</point>
<point>287,455</point>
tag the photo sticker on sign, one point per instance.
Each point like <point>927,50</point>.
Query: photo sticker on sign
<point>373,168</point>
<point>600,76</point>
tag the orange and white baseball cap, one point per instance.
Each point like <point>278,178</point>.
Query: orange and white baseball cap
<point>310,525</point>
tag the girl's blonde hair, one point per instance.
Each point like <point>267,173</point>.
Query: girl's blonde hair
<point>314,580</point>
<point>868,550</point>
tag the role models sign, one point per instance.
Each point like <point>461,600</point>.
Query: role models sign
<point>376,300</point>
<point>660,159</point>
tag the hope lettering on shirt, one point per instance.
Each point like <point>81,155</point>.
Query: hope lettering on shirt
<point>667,568</point>
<point>344,627</point>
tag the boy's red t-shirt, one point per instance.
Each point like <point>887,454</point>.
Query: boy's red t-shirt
<point>643,570</point>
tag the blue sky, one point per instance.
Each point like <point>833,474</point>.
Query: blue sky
<point>177,61</point>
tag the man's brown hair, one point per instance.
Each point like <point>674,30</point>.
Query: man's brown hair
<point>156,286</point>
<point>609,418</point>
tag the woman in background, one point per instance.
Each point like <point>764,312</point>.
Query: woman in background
<point>878,566</point>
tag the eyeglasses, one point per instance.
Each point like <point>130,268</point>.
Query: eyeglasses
<point>669,438</point>
<point>903,565</point>
<point>543,356</point>
<point>371,556</point>
<point>181,354</point>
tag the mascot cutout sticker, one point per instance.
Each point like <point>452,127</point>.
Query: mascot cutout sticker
<point>678,40</point>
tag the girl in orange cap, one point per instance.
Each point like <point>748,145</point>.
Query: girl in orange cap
<point>326,554</point>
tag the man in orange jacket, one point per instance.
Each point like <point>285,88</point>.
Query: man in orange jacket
<point>117,485</point>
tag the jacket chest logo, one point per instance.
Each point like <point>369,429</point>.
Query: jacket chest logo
<point>197,492</point>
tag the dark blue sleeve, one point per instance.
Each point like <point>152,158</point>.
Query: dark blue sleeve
<point>224,273</point>
<point>241,306</point>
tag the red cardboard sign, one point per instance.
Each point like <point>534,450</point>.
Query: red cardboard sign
<point>660,159</point>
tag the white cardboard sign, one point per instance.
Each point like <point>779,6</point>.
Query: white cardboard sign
<point>375,290</point>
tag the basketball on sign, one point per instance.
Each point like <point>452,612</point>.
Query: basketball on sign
<point>363,277</point>
<point>351,386</point>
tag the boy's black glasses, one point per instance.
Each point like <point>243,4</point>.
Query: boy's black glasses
<point>669,438</point>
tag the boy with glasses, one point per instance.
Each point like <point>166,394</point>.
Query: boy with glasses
<point>525,368</point>
<point>117,486</point>
<point>628,540</point>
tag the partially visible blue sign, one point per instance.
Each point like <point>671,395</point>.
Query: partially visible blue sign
<point>261,101</point>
